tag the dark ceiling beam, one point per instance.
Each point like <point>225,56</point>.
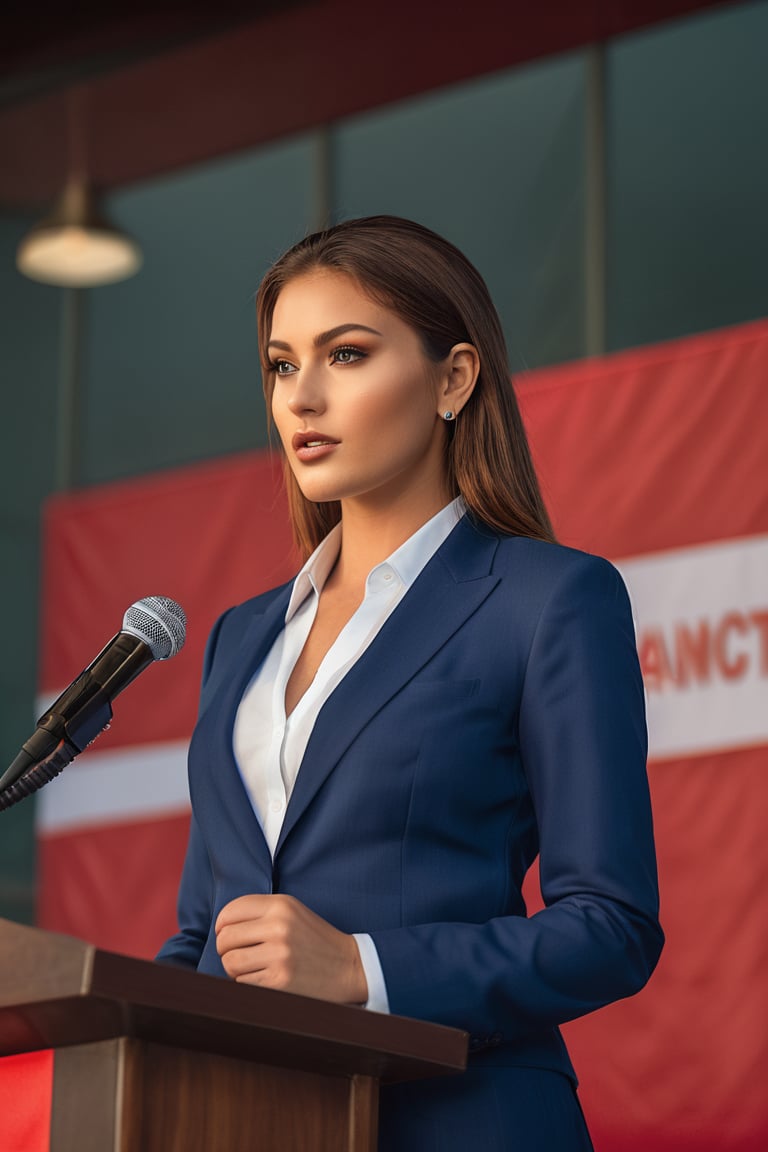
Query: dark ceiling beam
<point>296,67</point>
<point>47,44</point>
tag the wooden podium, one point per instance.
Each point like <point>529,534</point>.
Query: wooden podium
<point>148,1057</point>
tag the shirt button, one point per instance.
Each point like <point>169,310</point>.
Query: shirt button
<point>276,806</point>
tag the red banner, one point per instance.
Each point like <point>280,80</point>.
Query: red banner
<point>26,1084</point>
<point>654,458</point>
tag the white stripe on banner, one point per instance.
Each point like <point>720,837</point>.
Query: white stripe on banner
<point>702,618</point>
<point>138,783</point>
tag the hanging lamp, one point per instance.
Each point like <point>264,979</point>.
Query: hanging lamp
<point>77,246</point>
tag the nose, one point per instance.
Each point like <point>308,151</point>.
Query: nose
<point>306,393</point>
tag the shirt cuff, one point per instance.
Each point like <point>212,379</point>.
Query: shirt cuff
<point>377,1001</point>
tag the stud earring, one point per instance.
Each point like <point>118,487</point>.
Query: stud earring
<point>448,415</point>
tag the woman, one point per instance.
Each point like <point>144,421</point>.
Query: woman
<point>441,694</point>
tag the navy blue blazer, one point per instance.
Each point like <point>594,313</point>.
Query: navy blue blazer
<point>499,713</point>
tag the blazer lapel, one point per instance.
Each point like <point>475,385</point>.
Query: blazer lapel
<point>258,637</point>
<point>448,591</point>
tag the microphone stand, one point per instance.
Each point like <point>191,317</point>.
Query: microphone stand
<point>61,742</point>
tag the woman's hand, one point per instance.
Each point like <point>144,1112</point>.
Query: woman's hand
<point>276,942</point>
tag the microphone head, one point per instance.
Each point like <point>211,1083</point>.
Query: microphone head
<point>161,624</point>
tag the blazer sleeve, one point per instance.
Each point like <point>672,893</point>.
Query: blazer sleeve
<point>582,741</point>
<point>195,906</point>
<point>195,901</point>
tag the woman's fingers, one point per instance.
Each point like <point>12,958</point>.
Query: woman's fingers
<point>277,942</point>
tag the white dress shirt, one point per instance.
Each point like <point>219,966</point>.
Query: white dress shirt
<point>268,745</point>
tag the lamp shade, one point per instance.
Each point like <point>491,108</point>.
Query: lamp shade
<point>76,246</point>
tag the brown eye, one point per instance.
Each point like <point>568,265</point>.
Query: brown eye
<point>346,355</point>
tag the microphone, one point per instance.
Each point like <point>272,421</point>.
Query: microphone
<point>153,629</point>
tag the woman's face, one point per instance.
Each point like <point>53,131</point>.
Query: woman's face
<point>356,401</point>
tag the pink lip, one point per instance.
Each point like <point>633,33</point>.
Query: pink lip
<point>312,445</point>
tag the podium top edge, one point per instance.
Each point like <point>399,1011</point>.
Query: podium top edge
<point>56,989</point>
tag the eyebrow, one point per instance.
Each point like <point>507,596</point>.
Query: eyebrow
<point>323,338</point>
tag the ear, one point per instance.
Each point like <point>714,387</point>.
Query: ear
<point>461,370</point>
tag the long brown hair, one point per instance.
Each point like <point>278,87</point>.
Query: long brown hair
<point>432,286</point>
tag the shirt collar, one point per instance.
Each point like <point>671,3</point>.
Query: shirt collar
<point>316,571</point>
<point>407,561</point>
